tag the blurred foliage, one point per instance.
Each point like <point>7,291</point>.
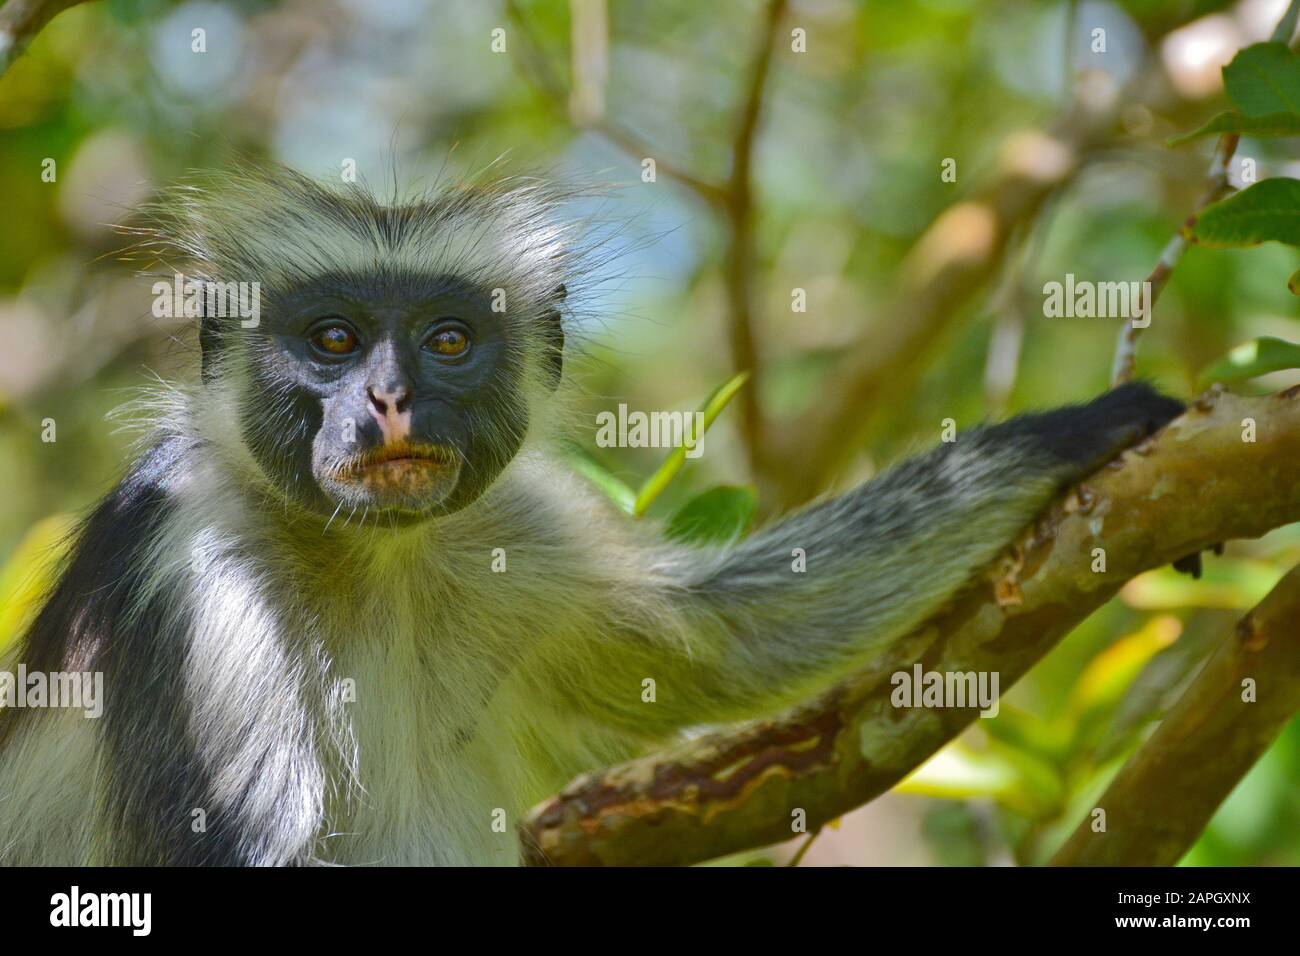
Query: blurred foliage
<point>846,179</point>
<point>1252,359</point>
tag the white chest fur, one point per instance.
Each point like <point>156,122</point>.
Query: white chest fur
<point>436,776</point>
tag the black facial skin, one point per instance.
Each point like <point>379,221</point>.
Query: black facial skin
<point>465,410</point>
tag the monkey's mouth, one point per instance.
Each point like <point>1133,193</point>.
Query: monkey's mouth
<point>399,475</point>
<point>400,455</point>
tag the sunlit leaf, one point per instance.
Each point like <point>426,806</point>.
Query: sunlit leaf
<point>29,574</point>
<point>657,482</point>
<point>1274,124</point>
<point>1267,211</point>
<point>1264,78</point>
<point>1256,357</point>
<point>1229,583</point>
<point>1108,675</point>
<point>717,516</point>
<point>1149,695</point>
<point>1015,780</point>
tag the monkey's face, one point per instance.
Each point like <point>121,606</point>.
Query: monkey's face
<point>393,399</point>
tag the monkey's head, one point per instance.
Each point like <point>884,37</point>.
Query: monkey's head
<point>399,350</point>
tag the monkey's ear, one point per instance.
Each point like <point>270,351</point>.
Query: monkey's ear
<point>553,337</point>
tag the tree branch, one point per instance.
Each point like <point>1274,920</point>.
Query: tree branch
<point>735,199</point>
<point>21,20</point>
<point>538,72</point>
<point>739,266</point>
<point>1161,800</point>
<point>1195,485</point>
<point>1216,185</point>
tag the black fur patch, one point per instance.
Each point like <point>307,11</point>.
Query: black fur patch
<point>1086,436</point>
<point>153,778</point>
<point>85,608</point>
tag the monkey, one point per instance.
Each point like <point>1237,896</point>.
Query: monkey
<point>308,655</point>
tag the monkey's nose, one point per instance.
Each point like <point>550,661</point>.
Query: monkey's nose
<point>398,399</point>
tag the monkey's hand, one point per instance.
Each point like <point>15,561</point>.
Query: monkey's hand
<point>1085,437</point>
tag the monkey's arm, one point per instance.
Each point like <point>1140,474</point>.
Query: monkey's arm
<point>748,633</point>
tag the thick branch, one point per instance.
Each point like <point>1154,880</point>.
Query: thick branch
<point>1165,795</point>
<point>1194,486</point>
<point>21,20</point>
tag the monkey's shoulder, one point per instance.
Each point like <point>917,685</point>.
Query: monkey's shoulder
<point>107,560</point>
<point>552,515</point>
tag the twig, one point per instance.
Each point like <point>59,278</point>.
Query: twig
<point>734,198</point>
<point>804,848</point>
<point>538,72</point>
<point>885,360</point>
<point>1161,800</point>
<point>739,267</point>
<point>1216,184</point>
<point>1197,484</point>
<point>21,20</point>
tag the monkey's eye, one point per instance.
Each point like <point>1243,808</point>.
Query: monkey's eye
<point>334,339</point>
<point>449,340</point>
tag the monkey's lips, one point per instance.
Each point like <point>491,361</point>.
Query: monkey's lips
<point>410,477</point>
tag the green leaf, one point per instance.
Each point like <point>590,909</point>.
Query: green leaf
<point>717,516</point>
<point>1016,780</point>
<point>1106,677</point>
<point>614,488</point>
<point>1267,211</point>
<point>1028,733</point>
<point>713,406</point>
<point>1264,78</point>
<point>1149,696</point>
<point>1274,124</point>
<point>1256,357</point>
